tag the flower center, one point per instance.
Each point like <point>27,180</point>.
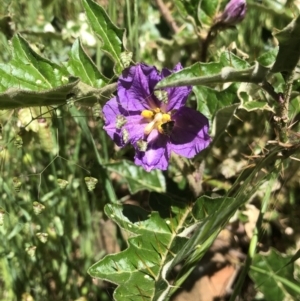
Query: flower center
<point>157,119</point>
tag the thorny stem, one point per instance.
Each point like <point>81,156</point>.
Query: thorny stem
<point>282,116</point>
<point>287,96</point>
<point>212,34</point>
<point>255,74</point>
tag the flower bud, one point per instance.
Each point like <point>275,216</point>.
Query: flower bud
<point>234,12</point>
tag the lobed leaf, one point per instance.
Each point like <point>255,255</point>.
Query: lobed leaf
<point>201,11</point>
<point>81,65</point>
<point>268,58</point>
<point>110,35</point>
<point>208,74</point>
<point>208,11</point>
<point>137,178</point>
<point>209,101</point>
<point>32,80</point>
<point>141,271</point>
<point>256,105</point>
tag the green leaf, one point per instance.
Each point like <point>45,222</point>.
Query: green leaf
<point>203,12</point>
<point>28,70</point>
<point>156,239</point>
<point>81,65</point>
<point>289,45</point>
<point>15,98</point>
<point>110,35</point>
<point>273,276</point>
<point>208,10</point>
<point>31,80</point>
<point>188,8</point>
<point>230,68</point>
<point>210,101</point>
<point>222,119</point>
<point>137,178</point>
<point>256,105</point>
<point>213,213</point>
<point>268,58</point>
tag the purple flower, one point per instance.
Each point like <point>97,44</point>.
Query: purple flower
<point>155,122</point>
<point>234,12</point>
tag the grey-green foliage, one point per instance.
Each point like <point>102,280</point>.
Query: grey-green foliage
<point>176,229</point>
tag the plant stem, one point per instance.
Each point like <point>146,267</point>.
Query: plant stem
<point>254,239</point>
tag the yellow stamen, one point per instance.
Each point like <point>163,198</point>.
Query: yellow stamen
<point>149,127</point>
<point>147,114</point>
<point>159,127</point>
<point>165,118</point>
<point>158,118</point>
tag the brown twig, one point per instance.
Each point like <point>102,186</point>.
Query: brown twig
<point>167,16</point>
<point>212,33</point>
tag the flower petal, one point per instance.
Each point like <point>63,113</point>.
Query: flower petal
<point>110,111</point>
<point>136,86</point>
<point>157,154</point>
<point>190,133</point>
<point>177,95</point>
<point>234,12</point>
<point>135,126</point>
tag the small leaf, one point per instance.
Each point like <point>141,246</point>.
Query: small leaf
<point>31,251</point>
<point>81,65</point>
<point>43,237</point>
<point>137,178</point>
<point>17,184</point>
<point>268,58</point>
<point>161,95</point>
<point>273,276</point>
<point>110,35</point>
<point>18,141</point>
<point>126,58</point>
<point>90,183</point>
<point>97,111</point>
<point>38,208</point>
<point>207,11</point>
<point>62,183</point>
<point>202,12</point>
